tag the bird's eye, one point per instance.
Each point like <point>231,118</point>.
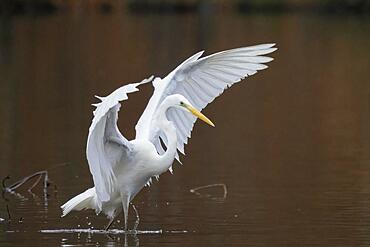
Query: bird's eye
<point>181,103</point>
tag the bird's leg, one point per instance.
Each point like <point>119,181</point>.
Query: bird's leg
<point>125,205</point>
<point>109,224</point>
<point>115,214</point>
<point>137,217</point>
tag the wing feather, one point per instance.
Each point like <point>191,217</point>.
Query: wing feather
<point>201,80</point>
<point>105,143</point>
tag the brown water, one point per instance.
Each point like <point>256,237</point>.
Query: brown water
<point>292,143</point>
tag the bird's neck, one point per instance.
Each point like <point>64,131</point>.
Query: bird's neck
<point>169,156</point>
<point>168,128</point>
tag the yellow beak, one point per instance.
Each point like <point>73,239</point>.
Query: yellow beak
<point>198,114</point>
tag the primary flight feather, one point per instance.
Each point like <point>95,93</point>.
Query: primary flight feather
<point>121,168</point>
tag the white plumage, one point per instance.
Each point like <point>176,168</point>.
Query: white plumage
<point>120,168</point>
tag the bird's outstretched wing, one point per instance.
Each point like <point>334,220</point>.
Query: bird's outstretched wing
<point>105,144</point>
<point>200,80</point>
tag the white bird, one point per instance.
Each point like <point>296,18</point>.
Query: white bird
<point>121,168</point>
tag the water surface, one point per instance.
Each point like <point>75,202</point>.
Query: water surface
<point>292,143</point>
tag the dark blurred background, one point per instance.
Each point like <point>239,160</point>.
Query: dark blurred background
<point>277,6</point>
<point>292,143</point>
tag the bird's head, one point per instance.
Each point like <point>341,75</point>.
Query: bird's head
<point>180,102</point>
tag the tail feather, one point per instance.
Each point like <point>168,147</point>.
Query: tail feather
<point>85,200</point>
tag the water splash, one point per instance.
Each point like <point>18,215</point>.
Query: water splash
<point>113,231</point>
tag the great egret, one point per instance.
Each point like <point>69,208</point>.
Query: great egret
<point>121,168</point>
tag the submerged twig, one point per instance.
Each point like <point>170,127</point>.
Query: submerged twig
<point>34,184</point>
<point>3,181</point>
<point>46,182</point>
<point>196,191</point>
<point>11,188</point>
<point>8,211</point>
<point>10,217</point>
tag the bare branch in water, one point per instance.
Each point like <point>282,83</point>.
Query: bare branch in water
<point>39,175</point>
<point>198,192</point>
<point>3,181</point>
<point>34,184</point>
